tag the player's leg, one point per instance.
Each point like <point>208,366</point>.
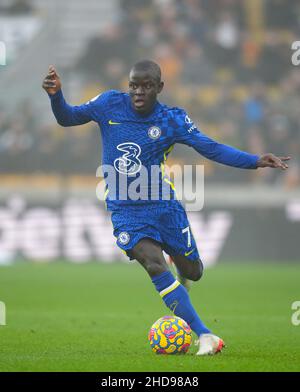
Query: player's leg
<point>192,270</point>
<point>149,254</point>
<point>186,271</point>
<point>179,242</point>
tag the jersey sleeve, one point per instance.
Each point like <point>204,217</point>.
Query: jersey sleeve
<point>187,133</point>
<point>68,115</point>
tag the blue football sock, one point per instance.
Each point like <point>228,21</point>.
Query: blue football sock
<point>177,299</point>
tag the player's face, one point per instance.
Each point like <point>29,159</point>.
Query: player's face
<point>143,90</point>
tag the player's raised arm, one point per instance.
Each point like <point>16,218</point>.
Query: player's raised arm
<point>65,114</point>
<point>189,134</point>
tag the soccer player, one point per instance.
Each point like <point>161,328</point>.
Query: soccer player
<point>138,132</point>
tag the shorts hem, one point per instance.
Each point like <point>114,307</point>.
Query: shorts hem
<point>128,250</point>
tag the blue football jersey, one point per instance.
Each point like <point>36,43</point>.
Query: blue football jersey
<point>136,146</point>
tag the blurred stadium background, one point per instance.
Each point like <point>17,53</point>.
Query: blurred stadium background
<point>227,62</point>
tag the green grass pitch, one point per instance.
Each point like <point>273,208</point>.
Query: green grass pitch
<point>96,317</point>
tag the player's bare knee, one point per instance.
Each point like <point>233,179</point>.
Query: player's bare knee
<point>148,253</point>
<point>155,265</point>
<point>201,269</point>
<point>197,271</point>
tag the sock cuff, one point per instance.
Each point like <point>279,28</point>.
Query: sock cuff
<point>170,288</point>
<point>163,281</point>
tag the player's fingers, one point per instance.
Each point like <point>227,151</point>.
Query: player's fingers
<point>275,162</point>
<point>49,78</point>
<point>49,84</point>
<point>49,81</point>
<point>285,158</point>
<point>281,164</point>
<point>53,71</point>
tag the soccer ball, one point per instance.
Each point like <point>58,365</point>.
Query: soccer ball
<point>170,335</point>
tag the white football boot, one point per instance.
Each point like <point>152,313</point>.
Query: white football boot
<point>209,344</point>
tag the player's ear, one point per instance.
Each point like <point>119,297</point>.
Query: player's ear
<point>160,87</point>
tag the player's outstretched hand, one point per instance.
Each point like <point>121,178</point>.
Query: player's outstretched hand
<point>52,82</point>
<point>271,160</point>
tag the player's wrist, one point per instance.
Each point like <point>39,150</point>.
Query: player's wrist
<point>258,162</point>
<point>56,94</point>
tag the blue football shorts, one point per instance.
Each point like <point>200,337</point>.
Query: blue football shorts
<point>164,222</point>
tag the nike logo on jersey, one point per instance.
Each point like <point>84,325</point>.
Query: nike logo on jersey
<point>111,122</point>
<point>189,253</point>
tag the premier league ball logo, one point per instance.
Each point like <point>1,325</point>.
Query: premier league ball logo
<point>154,132</point>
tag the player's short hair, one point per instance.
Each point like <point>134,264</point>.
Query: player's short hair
<point>148,66</point>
